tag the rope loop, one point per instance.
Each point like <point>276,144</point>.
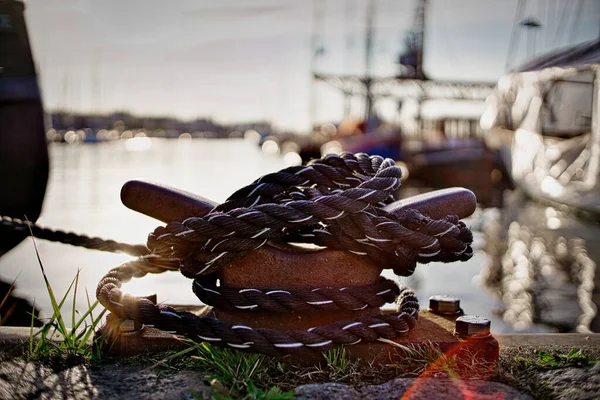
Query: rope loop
<point>333,202</point>
<point>245,338</point>
<point>276,300</point>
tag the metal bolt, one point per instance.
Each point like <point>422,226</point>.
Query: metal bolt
<point>130,326</point>
<point>470,325</point>
<point>442,304</point>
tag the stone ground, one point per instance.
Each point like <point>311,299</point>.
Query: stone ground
<point>20,379</point>
<point>31,380</point>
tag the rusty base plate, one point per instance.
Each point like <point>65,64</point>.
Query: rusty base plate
<point>122,338</point>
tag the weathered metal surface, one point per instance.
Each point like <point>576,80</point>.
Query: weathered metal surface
<point>432,330</point>
<point>438,203</point>
<point>163,202</point>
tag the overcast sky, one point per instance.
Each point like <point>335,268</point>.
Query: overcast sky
<point>242,60</point>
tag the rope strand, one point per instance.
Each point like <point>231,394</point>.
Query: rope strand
<point>94,243</point>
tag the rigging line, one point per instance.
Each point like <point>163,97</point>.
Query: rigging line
<point>561,22</point>
<point>349,20</point>
<point>514,36</point>
<point>576,17</point>
<point>550,22</point>
<point>315,53</point>
<point>540,6</point>
<point>370,33</point>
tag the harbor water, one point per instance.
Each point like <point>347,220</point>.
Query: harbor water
<point>534,267</point>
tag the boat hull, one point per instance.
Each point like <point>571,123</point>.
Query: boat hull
<point>23,151</point>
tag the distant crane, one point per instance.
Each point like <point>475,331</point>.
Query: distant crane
<point>410,82</point>
<point>411,61</point>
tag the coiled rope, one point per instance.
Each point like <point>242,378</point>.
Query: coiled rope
<point>337,202</point>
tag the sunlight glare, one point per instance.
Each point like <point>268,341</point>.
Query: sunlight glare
<point>138,143</point>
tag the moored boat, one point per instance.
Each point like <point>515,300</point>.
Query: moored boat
<point>544,119</point>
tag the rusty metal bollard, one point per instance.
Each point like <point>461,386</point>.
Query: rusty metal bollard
<point>271,267</point>
<point>286,267</point>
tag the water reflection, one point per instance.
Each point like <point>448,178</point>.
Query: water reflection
<point>539,267</point>
<point>83,197</point>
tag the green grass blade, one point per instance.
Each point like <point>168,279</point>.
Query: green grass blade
<point>55,305</point>
<point>81,320</point>
<point>31,328</point>
<point>89,304</point>
<point>73,341</point>
<point>89,329</point>
<point>42,340</point>
<point>94,324</point>
<point>61,327</point>
<point>174,356</point>
<point>74,311</point>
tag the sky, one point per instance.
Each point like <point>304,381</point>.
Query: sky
<point>243,60</point>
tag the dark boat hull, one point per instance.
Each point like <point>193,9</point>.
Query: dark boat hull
<point>24,162</point>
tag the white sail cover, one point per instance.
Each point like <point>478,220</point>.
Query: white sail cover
<point>582,54</point>
<point>548,107</point>
<point>551,78</point>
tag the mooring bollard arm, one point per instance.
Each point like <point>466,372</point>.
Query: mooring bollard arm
<point>168,204</point>
<point>438,203</point>
<point>164,203</point>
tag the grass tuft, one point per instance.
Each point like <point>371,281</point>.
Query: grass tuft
<point>234,372</point>
<point>544,360</point>
<point>521,367</point>
<point>339,366</point>
<point>57,342</point>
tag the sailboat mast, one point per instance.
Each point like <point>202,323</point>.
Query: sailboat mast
<point>514,35</point>
<point>315,51</point>
<point>368,56</point>
<point>420,32</point>
<point>350,6</point>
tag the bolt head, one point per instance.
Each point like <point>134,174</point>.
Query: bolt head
<point>129,326</point>
<point>470,325</point>
<point>442,304</point>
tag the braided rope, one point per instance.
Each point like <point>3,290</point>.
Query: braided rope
<point>242,337</point>
<point>94,243</point>
<point>335,202</point>
<point>277,300</point>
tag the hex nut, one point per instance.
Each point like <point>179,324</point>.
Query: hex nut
<point>470,325</point>
<point>442,304</point>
